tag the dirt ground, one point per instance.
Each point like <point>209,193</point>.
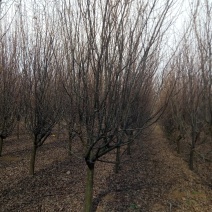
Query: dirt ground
<point>153,179</point>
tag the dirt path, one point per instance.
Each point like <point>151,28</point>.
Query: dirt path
<point>156,179</point>
<point>152,179</point>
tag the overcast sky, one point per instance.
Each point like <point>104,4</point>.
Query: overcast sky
<point>180,12</point>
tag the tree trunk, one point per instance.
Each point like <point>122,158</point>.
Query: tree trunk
<point>70,144</point>
<point>178,144</point>
<point>117,160</point>
<point>89,188</point>
<point>18,126</point>
<point>191,156</point>
<point>191,159</point>
<point>1,145</point>
<point>129,149</point>
<point>18,130</point>
<point>130,134</point>
<point>32,160</point>
<point>58,130</point>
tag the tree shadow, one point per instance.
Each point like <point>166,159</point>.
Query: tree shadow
<point>51,182</point>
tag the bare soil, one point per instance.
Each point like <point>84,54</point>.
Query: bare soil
<point>154,178</point>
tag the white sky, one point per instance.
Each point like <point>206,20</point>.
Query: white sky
<point>181,11</point>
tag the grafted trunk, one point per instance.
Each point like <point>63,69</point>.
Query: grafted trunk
<point>32,160</point>
<point>117,164</point>
<point>89,188</point>
<point>1,145</point>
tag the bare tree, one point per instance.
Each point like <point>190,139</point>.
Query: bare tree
<point>9,86</point>
<point>40,84</point>
<point>174,119</point>
<point>184,109</point>
<point>201,17</point>
<point>111,56</point>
